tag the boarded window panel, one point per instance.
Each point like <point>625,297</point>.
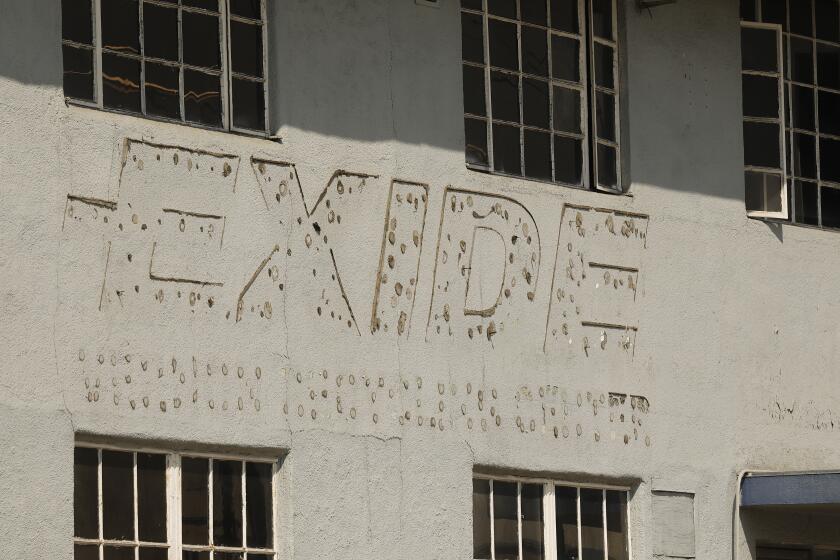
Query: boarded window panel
<point>162,91</point>
<point>506,158</point>
<point>532,519</point>
<point>534,51</point>
<point>674,532</point>
<point>195,501</point>
<point>534,11</point>
<point>830,160</point>
<point>151,497</point>
<point>564,15</point>
<point>77,21</point>
<point>592,524</point>
<point>567,110</point>
<point>202,98</point>
<point>474,97</point>
<point>472,38</point>
<point>121,83</point>
<point>805,202</point>
<point>538,155</point>
<point>85,493</point>
<point>504,49</point>
<point>830,205</point>
<point>475,136</point>
<point>828,66</point>
<point>78,72</point>
<point>802,108</point>
<point>505,96</point>
<point>246,49</point>
<point>118,495</point>
<point>801,17</point>
<point>201,40</point>
<point>566,519</point>
<point>617,525</point>
<point>568,160</point>
<point>604,66</point>
<point>535,107</point>
<point>761,145</point>
<point>227,503</point>
<point>804,150</point>
<point>160,32</point>
<point>602,18</point>
<point>760,96</point>
<point>259,505</point>
<point>774,11</point>
<point>759,50</point>
<point>85,552</point>
<point>801,60</point>
<point>121,26</point>
<point>118,553</point>
<point>829,112</point>
<point>248,104</point>
<point>505,520</point>
<point>828,19</point>
<point>565,58</point>
<point>763,192</point>
<point>246,8</point>
<point>503,8</point>
<point>605,115</point>
<point>607,167</point>
<point>481,519</point>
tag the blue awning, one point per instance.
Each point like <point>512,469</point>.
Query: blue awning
<point>790,489</point>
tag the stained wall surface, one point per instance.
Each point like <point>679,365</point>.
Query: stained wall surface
<point>357,299</point>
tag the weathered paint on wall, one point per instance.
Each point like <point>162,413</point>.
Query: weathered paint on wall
<point>356,297</point>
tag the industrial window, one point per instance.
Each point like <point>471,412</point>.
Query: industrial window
<point>138,505</point>
<point>541,90</point>
<point>194,61</point>
<point>791,93</point>
<point>523,519</point>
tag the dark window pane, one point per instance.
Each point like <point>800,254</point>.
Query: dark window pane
<point>801,17</point>
<point>227,503</point>
<point>505,520</point>
<point>566,110</point>
<point>472,38</point>
<point>830,205</point>
<point>481,519</point>
<point>201,40</point>
<point>471,4</point>
<point>605,115</point>
<point>151,497</point>
<point>118,495</point>
<point>761,144</point>
<point>534,11</point>
<point>805,203</point>
<point>532,514</point>
<point>246,8</point>
<point>607,166</point>
<point>195,502</point>
<point>829,112</point>
<point>85,493</point>
<point>535,106</point>
<point>475,137</point>
<point>506,151</point>
<point>160,32</point>
<point>760,96</point>
<point>617,525</point>
<point>830,160</point>
<point>120,26</point>
<point>504,8</point>
<point>564,15</point>
<point>228,556</point>
<point>162,91</point>
<point>828,66</point>
<point>474,101</point>
<point>505,96</point>
<point>212,5</point>
<point>195,555</point>
<point>759,50</point>
<point>504,51</point>
<point>78,72</point>
<point>565,511</point>
<point>119,552</point>
<point>803,108</point>
<point>748,10</point>
<point>568,160</point>
<point>604,66</point>
<point>763,191</point>
<point>246,48</point>
<point>592,523</point>
<point>202,98</point>
<point>252,556</point>
<point>85,552</point>
<point>154,554</point>
<point>77,21</point>
<point>121,82</point>
<point>804,151</point>
<point>773,11</point>
<point>602,18</point>
<point>801,61</point>
<point>565,58</point>
<point>248,105</point>
<point>828,20</point>
<point>259,505</point>
<point>534,51</point>
<point>537,155</point>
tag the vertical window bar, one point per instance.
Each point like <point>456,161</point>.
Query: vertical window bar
<point>586,129</point>
<point>244,507</point>
<point>142,84</point>
<point>265,49</point>
<point>591,97</point>
<point>519,515</point>
<point>99,500</point>
<point>492,523</point>
<point>134,478</point>
<point>549,522</point>
<point>579,530</point>
<point>173,506</point>
<point>181,91</point>
<point>519,81</point>
<point>275,508</point>
<point>619,187</point>
<point>604,520</point>
<point>97,77</point>
<point>227,82</point>
<point>488,95</point>
<point>816,114</point>
<point>548,37</point>
<point>210,467</point>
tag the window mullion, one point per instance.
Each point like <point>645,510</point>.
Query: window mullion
<point>617,95</point>
<point>99,500</point>
<point>549,523</point>
<point>211,464</point>
<point>492,524</point>
<point>173,506</point>
<point>142,84</point>
<point>488,90</point>
<point>136,505</point>
<point>519,84</point>
<point>604,517</point>
<point>97,17</point>
<point>181,90</point>
<point>579,529</point>
<point>519,516</point>
<point>227,85</point>
<point>586,144</point>
<point>265,69</point>
<point>244,508</point>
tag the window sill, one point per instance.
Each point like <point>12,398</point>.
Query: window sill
<point>488,171</point>
<point>782,222</point>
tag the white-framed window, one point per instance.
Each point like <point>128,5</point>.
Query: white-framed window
<point>541,90</point>
<point>790,53</point>
<point>199,62</point>
<point>154,505</point>
<point>537,519</point>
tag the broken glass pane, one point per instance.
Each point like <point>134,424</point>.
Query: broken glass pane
<point>151,497</point>
<point>803,108</point>
<point>259,505</point>
<point>801,17</point>
<point>120,82</point>
<point>118,495</point>
<point>246,48</point>
<point>605,113</point>
<point>604,66</point>
<point>804,150</point>
<point>505,96</point>
<point>160,32</point>
<point>85,552</point>
<point>607,173</point>
<point>565,58</point>
<point>602,18</point>
<point>472,38</point>
<point>568,160</point>
<point>162,91</point>
<point>759,50</point>
<point>565,508</point>
<point>77,21</point>
<point>534,51</point>
<point>534,11</point>
<point>805,203</point>
<point>760,96</point>
<point>248,104</point>
<point>774,11</point>
<point>828,20</point>
<point>761,145</point>
<point>195,502</point>
<point>202,98</point>
<point>154,554</point>
<point>481,519</point>
<point>829,112</point>
<point>474,102</point>
<point>537,155</point>
<point>532,516</point>
<point>506,149</point>
<point>78,72</point>
<point>566,110</point>
<point>564,15</point>
<point>227,503</point>
<point>504,50</point>
<point>85,493</point>
<point>119,552</point>
<point>617,525</point>
<point>830,207</point>
<point>828,66</point>
<point>592,523</point>
<point>475,137</point>
<point>201,40</point>
<point>503,8</point>
<point>801,60</point>
<point>505,520</point>
<point>246,8</point>
<point>763,192</point>
<point>830,160</point>
<point>120,26</point>
<point>535,107</point>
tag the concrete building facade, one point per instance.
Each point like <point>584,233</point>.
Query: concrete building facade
<point>341,296</point>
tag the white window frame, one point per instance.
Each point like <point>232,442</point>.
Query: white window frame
<point>550,551</point>
<point>226,72</point>
<point>174,502</point>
